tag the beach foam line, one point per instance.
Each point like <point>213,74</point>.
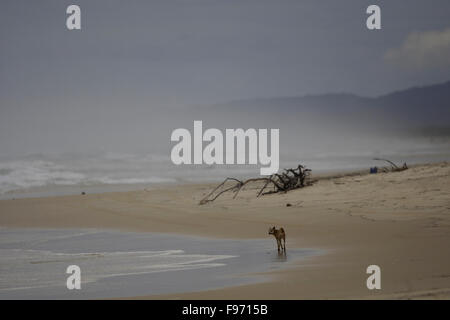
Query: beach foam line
<point>29,268</point>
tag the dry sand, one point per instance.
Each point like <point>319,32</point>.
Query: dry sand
<point>399,221</point>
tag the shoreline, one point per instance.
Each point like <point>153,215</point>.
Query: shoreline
<point>49,191</point>
<point>399,221</point>
<point>116,263</point>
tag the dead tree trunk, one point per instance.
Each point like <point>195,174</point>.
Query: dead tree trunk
<point>289,179</point>
<point>394,167</point>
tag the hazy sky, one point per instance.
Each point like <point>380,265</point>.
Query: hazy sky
<point>194,51</point>
<point>144,54</point>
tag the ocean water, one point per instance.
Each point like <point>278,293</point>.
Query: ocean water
<point>33,263</point>
<point>72,173</point>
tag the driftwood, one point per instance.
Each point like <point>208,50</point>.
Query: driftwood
<point>290,179</point>
<point>394,167</point>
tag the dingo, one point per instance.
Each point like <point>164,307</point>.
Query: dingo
<point>279,234</point>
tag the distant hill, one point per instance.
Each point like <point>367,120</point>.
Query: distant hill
<point>427,106</point>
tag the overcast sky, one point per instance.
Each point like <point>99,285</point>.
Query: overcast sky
<point>194,51</point>
<point>174,53</point>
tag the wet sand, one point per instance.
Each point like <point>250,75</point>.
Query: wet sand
<point>33,263</point>
<point>399,221</point>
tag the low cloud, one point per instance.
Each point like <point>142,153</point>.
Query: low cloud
<point>422,50</point>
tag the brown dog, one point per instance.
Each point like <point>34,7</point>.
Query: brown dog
<point>279,235</point>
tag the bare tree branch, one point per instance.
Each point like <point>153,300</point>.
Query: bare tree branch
<point>394,166</point>
<point>290,179</point>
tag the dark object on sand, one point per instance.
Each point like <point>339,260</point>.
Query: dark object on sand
<point>394,167</point>
<point>374,170</point>
<point>288,205</point>
<point>290,179</point>
<point>83,193</point>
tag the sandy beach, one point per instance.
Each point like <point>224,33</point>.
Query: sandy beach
<point>399,221</point>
